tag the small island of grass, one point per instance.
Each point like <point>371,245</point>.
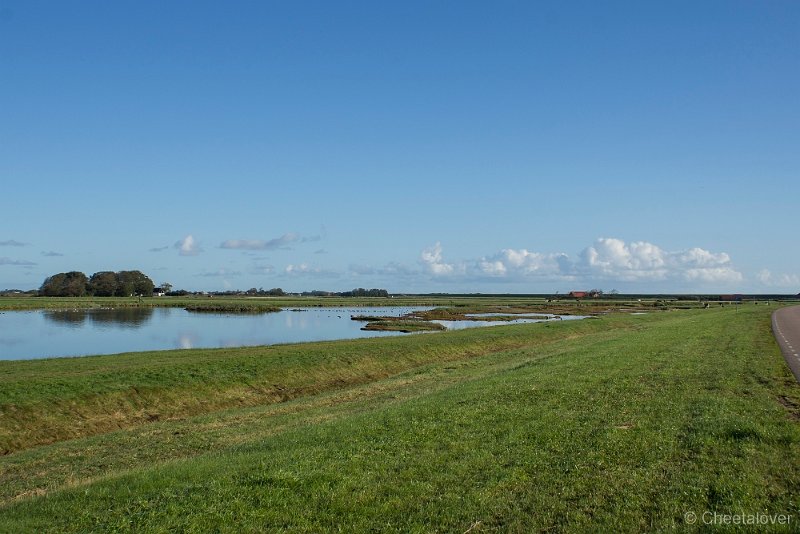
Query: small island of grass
<point>399,324</point>
<point>232,307</point>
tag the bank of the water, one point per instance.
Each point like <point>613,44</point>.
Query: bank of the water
<point>63,398</point>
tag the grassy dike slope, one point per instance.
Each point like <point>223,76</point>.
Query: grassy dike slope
<point>624,423</point>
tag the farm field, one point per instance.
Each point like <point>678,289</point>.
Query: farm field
<point>624,423</point>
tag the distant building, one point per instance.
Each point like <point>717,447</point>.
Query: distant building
<point>578,294</point>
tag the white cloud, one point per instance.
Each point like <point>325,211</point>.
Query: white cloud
<point>433,263</point>
<point>188,246</point>
<point>281,242</point>
<point>613,258</point>
<point>298,269</point>
<point>520,263</point>
<point>782,280</point>
<point>52,254</point>
<point>608,259</point>
<point>301,269</point>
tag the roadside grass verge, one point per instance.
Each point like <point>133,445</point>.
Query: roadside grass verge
<point>622,424</point>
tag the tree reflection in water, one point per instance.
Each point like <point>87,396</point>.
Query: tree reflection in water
<point>116,317</point>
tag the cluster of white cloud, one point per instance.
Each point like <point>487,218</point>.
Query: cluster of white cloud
<point>605,259</point>
<point>510,262</point>
<point>610,258</point>
<point>189,246</point>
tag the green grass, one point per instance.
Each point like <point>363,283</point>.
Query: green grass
<point>65,398</point>
<point>28,302</point>
<point>620,424</point>
<point>396,324</point>
<point>462,303</point>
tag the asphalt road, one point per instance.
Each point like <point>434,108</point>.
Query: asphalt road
<point>786,327</point>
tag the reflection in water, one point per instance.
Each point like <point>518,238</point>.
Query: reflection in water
<point>124,317</point>
<point>187,340</point>
<point>460,325</point>
<point>297,321</point>
<point>68,317</point>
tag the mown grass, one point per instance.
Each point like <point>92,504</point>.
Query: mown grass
<point>621,424</point>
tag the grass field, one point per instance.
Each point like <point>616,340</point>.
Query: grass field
<point>462,303</point>
<point>30,302</point>
<point>623,423</point>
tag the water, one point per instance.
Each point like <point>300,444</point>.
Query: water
<point>458,325</point>
<point>58,333</point>
<point>49,333</point>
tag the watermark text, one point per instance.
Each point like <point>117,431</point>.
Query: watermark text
<point>740,518</point>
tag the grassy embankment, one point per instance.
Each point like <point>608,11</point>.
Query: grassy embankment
<point>624,423</point>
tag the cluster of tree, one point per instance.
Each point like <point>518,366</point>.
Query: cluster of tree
<point>260,292</point>
<point>179,293</point>
<point>102,284</point>
<point>359,292</point>
<point>274,292</point>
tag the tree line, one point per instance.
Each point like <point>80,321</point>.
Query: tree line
<point>101,284</point>
<point>359,292</point>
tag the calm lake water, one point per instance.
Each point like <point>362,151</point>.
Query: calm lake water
<point>51,333</point>
<point>58,333</point>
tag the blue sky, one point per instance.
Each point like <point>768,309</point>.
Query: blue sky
<point>416,146</point>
